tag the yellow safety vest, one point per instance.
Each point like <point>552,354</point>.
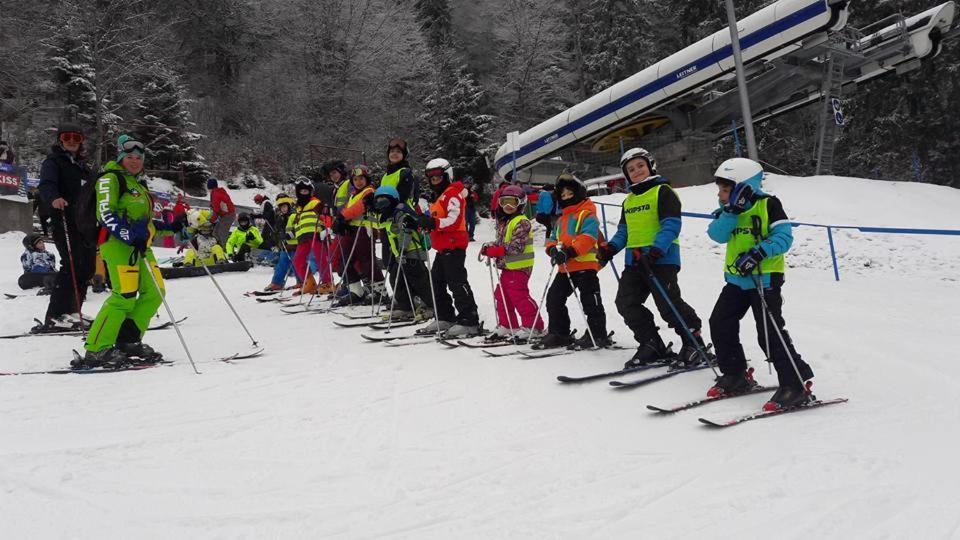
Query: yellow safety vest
<point>305,221</point>
<point>364,220</point>
<point>343,195</point>
<point>522,260</point>
<point>742,239</point>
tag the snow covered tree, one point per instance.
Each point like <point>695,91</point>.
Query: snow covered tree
<point>71,67</point>
<point>162,111</point>
<point>435,20</point>
<point>452,125</point>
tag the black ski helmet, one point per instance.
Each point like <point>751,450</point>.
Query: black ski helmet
<point>243,221</point>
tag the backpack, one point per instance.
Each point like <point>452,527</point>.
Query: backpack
<point>85,211</point>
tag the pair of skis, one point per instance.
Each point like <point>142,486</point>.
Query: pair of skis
<point>162,326</point>
<point>758,389</point>
<point>133,366</point>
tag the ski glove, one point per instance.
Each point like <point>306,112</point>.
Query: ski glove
<point>339,226</point>
<point>652,255</point>
<point>493,251</point>
<point>605,254</point>
<point>427,223</point>
<point>560,256</point>
<point>128,233</point>
<point>748,261</point>
<point>741,197</point>
<point>251,237</point>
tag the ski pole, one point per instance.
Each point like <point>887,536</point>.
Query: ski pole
<point>543,298</point>
<point>73,272</point>
<point>776,326</point>
<point>573,288</point>
<point>433,293</point>
<point>173,319</point>
<point>347,262</point>
<point>766,333</point>
<point>676,313</point>
<point>227,300</point>
<point>503,297</point>
<point>373,265</point>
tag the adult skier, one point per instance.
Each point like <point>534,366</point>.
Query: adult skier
<point>514,254</point>
<point>62,176</point>
<point>573,250</point>
<point>447,225</point>
<point>355,225</point>
<point>408,270</point>
<point>757,233</point>
<point>125,212</point>
<point>224,212</point>
<point>244,238</point>
<point>649,229</point>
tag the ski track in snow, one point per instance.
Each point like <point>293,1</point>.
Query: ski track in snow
<point>327,436</point>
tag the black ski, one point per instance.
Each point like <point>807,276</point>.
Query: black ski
<point>163,326</point>
<point>261,293</point>
<point>659,377</point>
<point>767,414</point>
<point>241,356</point>
<point>608,374</point>
<point>377,324</point>
<point>706,400</point>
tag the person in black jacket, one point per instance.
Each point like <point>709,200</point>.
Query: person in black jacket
<point>62,175</point>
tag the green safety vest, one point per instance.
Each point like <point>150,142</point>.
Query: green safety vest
<point>342,197</point>
<point>742,239</point>
<point>643,217</point>
<point>522,260</point>
<point>412,243</point>
<point>393,180</point>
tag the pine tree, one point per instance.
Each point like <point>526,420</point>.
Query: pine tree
<point>452,125</point>
<point>435,20</point>
<point>71,68</point>
<point>171,145</point>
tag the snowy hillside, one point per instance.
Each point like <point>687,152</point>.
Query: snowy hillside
<point>328,436</point>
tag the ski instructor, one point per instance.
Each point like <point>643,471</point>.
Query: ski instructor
<point>62,176</point>
<point>125,213</point>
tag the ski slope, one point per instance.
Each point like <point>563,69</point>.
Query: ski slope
<point>328,436</point>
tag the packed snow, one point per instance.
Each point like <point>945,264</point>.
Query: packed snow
<point>330,436</point>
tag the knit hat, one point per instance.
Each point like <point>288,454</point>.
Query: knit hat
<point>212,183</point>
<point>127,145</point>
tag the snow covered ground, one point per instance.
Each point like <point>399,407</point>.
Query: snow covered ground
<point>327,436</point>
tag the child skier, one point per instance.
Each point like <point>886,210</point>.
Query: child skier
<point>204,246</point>
<point>307,227</point>
<point>285,245</point>
<point>757,233</point>
<point>573,249</point>
<point>447,225</point>
<point>39,265</point>
<point>514,254</point>
<point>649,229</point>
<point>355,225</point>
<point>408,269</point>
<point>245,237</point>
<point>125,211</point>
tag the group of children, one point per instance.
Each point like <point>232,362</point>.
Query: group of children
<point>751,223</point>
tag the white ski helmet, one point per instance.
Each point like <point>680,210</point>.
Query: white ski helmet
<point>634,153</point>
<point>440,165</point>
<point>736,170</point>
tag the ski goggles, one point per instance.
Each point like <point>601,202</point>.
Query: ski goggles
<point>133,146</point>
<point>509,202</point>
<point>72,137</point>
<point>435,172</point>
<point>360,171</point>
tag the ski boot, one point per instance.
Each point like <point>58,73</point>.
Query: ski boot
<point>111,357</point>
<point>140,352</point>
<point>55,325</point>
<point>691,355</point>
<point>462,330</point>
<point>732,384</point>
<point>586,342</point>
<point>273,287</point>
<point>500,333</point>
<point>554,341</point>
<point>431,329</point>
<point>789,396</point>
<point>650,352</point>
